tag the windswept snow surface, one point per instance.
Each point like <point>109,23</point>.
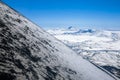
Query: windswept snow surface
<point>27,52</point>
<point>100,47</point>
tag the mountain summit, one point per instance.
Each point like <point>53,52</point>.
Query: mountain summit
<point>27,52</point>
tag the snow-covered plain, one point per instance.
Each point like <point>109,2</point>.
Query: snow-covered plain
<point>98,40</point>
<point>101,47</point>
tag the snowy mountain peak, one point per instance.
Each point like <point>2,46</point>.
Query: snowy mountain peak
<point>27,52</point>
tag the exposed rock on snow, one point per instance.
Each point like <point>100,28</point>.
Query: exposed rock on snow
<point>27,52</point>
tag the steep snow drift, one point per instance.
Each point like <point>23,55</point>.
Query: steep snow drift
<point>29,53</point>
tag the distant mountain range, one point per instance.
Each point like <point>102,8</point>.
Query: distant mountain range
<point>101,47</point>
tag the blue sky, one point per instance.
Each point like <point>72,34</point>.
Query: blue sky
<point>100,14</point>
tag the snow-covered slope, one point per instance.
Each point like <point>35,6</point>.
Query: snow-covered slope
<point>101,47</point>
<point>29,53</point>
